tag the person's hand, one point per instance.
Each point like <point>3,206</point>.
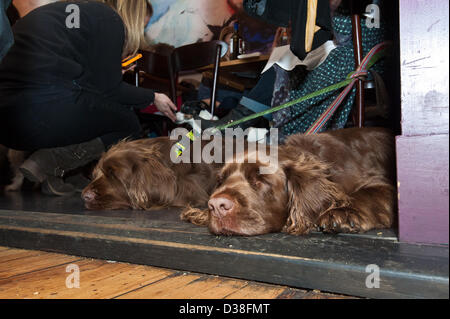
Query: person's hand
<point>165,105</point>
<point>128,68</point>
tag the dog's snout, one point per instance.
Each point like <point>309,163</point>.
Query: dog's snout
<point>220,206</point>
<point>89,196</point>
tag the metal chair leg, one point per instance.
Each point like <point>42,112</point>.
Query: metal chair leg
<point>358,113</point>
<point>215,79</point>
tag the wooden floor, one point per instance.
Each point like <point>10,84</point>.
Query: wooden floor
<point>26,274</point>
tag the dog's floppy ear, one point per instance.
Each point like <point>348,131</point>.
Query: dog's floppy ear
<point>153,185</point>
<point>310,192</point>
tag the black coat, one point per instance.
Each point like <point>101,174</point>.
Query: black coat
<point>50,58</point>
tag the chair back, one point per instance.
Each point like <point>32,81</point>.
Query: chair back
<point>154,63</point>
<point>167,65</point>
<point>193,56</point>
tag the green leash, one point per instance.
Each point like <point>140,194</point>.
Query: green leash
<point>286,105</point>
<point>372,57</point>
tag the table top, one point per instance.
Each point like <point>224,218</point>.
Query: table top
<point>228,74</point>
<point>237,62</point>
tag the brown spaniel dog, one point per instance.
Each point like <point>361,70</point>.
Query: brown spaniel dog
<point>338,181</point>
<point>140,175</point>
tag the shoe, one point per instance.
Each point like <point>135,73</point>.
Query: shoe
<point>78,181</point>
<point>193,107</point>
<point>55,186</point>
<point>235,114</point>
<point>58,161</point>
<point>49,166</point>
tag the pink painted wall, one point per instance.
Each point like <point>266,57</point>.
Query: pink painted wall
<point>424,66</point>
<point>422,150</point>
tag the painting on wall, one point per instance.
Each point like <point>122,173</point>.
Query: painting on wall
<point>180,22</point>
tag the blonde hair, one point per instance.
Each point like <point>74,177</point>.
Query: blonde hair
<point>133,14</point>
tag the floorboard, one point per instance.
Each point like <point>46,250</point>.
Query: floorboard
<point>251,290</point>
<point>46,277</point>
<point>22,263</point>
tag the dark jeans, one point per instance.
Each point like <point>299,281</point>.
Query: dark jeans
<point>66,120</point>
<point>261,92</point>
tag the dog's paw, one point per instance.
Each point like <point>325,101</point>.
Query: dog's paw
<point>340,221</point>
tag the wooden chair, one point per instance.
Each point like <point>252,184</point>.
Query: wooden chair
<point>152,71</point>
<point>161,69</point>
<point>154,67</point>
<point>194,56</point>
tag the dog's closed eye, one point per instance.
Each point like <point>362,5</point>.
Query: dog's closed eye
<point>137,175</point>
<point>256,182</point>
<point>107,171</point>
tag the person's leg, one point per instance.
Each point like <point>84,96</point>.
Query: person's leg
<point>66,122</point>
<point>263,90</point>
<point>204,93</point>
<point>261,93</point>
<point>68,134</point>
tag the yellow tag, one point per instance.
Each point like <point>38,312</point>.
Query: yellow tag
<point>181,146</point>
<point>191,135</point>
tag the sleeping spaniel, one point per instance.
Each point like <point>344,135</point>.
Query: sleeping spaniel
<point>338,181</point>
<point>140,175</point>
